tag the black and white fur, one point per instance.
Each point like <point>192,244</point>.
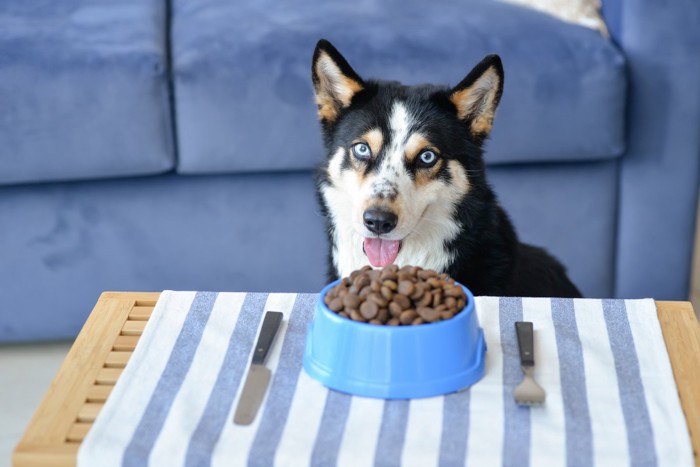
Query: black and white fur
<point>441,208</point>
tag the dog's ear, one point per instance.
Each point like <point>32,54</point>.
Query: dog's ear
<point>335,82</point>
<point>477,96</point>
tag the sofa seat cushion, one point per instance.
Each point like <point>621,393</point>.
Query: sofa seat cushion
<point>83,90</point>
<point>246,233</point>
<point>244,95</point>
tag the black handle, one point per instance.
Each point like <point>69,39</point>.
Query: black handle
<point>525,343</point>
<point>270,325</point>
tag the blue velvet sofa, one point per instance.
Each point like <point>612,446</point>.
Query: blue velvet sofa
<point>170,144</point>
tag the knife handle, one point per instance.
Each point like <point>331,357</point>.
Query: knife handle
<point>270,325</point>
<point>525,343</point>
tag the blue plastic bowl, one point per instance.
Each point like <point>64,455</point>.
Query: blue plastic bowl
<point>395,362</point>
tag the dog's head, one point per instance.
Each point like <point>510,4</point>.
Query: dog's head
<point>400,159</point>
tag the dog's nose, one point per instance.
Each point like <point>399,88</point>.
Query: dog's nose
<point>380,221</point>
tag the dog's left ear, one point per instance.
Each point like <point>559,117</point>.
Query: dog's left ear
<point>477,96</point>
<point>335,82</point>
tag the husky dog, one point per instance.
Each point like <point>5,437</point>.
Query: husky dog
<point>405,182</point>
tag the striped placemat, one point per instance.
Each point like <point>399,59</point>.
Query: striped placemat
<point>611,397</point>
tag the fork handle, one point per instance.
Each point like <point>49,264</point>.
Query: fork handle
<point>525,343</point>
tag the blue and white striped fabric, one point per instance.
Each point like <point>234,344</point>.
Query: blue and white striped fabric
<point>611,397</point>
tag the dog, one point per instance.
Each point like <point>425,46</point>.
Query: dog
<point>404,181</point>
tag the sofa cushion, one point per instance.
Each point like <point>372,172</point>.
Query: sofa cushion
<point>247,233</point>
<point>244,95</point>
<point>83,90</point>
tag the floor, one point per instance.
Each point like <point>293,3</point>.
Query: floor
<point>25,373</point>
<point>27,370</point>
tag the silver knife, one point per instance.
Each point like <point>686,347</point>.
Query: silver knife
<point>258,376</point>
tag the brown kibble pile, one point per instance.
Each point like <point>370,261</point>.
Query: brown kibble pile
<point>393,296</point>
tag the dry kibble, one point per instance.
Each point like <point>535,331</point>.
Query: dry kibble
<point>429,314</point>
<point>369,309</point>
<point>351,301</point>
<point>426,300</point>
<point>426,274</point>
<point>378,299</point>
<point>407,316</point>
<point>356,316</point>
<point>336,304</point>
<point>389,271</point>
<point>403,301</point>
<point>395,309</point>
<point>454,291</point>
<point>389,275</point>
<point>396,297</point>
<point>361,281</point>
<point>405,276</point>
<point>387,293</point>
<point>365,292</point>
<point>445,315</point>
<point>406,287</point>
<point>437,298</point>
<point>418,292</point>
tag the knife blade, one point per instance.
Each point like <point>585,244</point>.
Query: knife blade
<point>259,375</point>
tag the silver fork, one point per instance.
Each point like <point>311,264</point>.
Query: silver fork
<point>528,392</point>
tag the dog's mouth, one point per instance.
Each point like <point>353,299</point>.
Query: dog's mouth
<point>381,252</point>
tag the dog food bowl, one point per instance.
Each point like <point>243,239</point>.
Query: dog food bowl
<point>395,362</point>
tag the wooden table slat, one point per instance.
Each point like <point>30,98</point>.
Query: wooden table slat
<point>98,393</point>
<point>54,455</point>
<point>108,376</point>
<point>117,359</point>
<point>682,336</point>
<point>125,343</point>
<point>140,313</point>
<point>78,431</point>
<point>133,328</point>
<point>140,298</point>
<point>88,412</point>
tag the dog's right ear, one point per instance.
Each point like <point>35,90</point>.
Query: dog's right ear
<point>335,82</point>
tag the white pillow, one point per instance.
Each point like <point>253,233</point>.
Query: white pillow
<point>583,12</point>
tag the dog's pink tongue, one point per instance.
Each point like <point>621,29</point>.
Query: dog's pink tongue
<point>381,252</point>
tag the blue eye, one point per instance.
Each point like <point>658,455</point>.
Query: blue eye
<point>427,158</point>
<point>361,151</point>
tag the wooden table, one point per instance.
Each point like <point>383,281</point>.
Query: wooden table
<point>110,334</point>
